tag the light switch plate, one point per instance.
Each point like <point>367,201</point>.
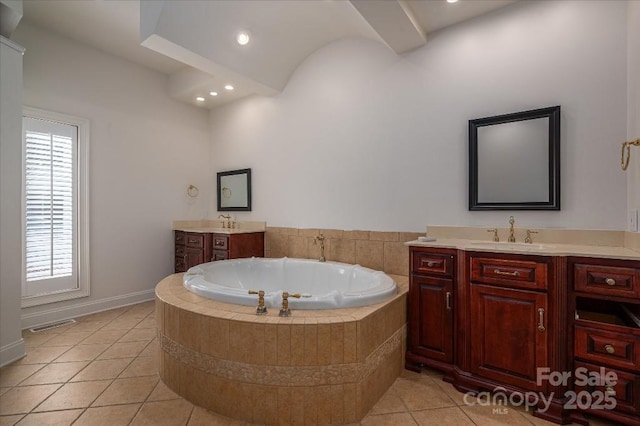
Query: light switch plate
<point>633,220</point>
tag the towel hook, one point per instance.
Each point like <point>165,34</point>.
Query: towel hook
<point>624,161</point>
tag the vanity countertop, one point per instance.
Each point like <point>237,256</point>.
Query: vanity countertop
<point>544,249</point>
<point>214,230</point>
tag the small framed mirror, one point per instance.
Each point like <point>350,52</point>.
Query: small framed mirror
<point>514,161</point>
<point>234,191</point>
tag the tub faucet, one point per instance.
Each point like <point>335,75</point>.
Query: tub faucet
<point>261,309</point>
<point>320,238</point>
<point>512,238</point>
<point>284,310</point>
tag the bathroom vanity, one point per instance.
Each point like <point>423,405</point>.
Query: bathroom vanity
<point>202,242</point>
<point>503,318</point>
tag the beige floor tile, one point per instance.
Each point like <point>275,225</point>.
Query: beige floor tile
<point>202,417</point>
<point>141,366</point>
<point>43,354</point>
<point>102,369</point>
<point>66,339</point>
<point>90,326</point>
<point>105,336</point>
<point>82,352</point>
<point>442,416</point>
<point>123,350</point>
<point>389,403</point>
<point>139,335</point>
<point>24,399</point>
<point>148,322</point>
<point>51,418</point>
<point>33,340</point>
<point>74,395</point>
<point>129,390</point>
<point>495,416</point>
<point>162,393</point>
<point>10,420</point>
<point>425,372</point>
<point>395,419</point>
<point>421,394</point>
<point>113,415</point>
<point>57,372</point>
<point>453,393</point>
<point>122,324</point>
<point>151,349</point>
<point>4,390</point>
<point>14,374</point>
<point>174,412</point>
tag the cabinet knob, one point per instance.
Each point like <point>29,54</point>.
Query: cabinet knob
<point>430,264</point>
<point>610,391</point>
<point>610,349</point>
<point>610,281</point>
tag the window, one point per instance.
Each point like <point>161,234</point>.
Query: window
<point>55,219</point>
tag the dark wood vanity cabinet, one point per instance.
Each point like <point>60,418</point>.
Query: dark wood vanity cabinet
<point>191,249</point>
<point>508,319</point>
<point>194,248</point>
<point>604,312</point>
<point>431,297</point>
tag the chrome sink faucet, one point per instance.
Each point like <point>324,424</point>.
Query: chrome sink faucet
<point>228,219</point>
<point>321,239</point>
<point>512,237</point>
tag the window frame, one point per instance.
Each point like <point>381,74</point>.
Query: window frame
<point>82,234</point>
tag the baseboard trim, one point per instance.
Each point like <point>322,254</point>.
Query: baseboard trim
<point>37,319</point>
<point>12,352</point>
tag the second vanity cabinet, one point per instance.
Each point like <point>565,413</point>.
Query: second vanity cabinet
<point>194,248</point>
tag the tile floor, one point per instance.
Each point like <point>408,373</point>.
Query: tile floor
<point>101,371</point>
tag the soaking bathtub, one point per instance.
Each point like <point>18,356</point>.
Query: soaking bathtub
<point>323,285</point>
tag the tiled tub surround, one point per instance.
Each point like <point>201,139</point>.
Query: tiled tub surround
<point>380,251</point>
<point>315,367</point>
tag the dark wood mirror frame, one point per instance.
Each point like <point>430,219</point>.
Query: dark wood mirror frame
<point>244,200</point>
<point>553,202</point>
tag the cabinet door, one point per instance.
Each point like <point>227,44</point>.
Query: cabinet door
<point>194,256</point>
<point>431,317</point>
<point>509,340</point>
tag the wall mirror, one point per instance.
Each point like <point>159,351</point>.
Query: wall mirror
<point>234,191</point>
<point>514,161</point>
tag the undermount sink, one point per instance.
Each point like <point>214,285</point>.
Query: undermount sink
<point>511,246</point>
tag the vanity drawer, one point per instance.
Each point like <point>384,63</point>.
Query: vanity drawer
<point>220,255</point>
<point>625,391</point>
<point>432,263</point>
<point>509,272</point>
<point>179,237</point>
<point>616,349</point>
<point>607,280</point>
<point>194,240</point>
<point>220,242</point>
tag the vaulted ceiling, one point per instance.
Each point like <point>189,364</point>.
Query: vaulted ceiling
<point>194,42</point>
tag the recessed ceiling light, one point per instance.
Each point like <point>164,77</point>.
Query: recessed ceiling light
<point>213,93</point>
<point>243,38</point>
<point>228,87</point>
<point>200,99</point>
<point>452,1</point>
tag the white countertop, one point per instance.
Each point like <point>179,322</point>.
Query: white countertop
<point>545,249</point>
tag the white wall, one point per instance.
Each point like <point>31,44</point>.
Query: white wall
<point>363,139</point>
<point>11,343</point>
<point>145,150</point>
<point>633,101</point>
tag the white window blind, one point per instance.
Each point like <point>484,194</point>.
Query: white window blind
<point>52,171</point>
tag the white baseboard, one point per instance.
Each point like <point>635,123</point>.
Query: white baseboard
<point>12,352</point>
<point>36,319</point>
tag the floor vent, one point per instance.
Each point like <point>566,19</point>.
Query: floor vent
<point>52,325</point>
